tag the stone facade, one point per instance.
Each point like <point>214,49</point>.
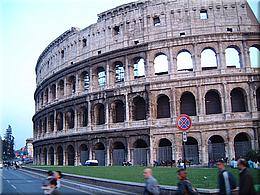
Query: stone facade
<point>113,90</point>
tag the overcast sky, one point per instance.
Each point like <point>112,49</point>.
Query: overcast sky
<point>26,28</point>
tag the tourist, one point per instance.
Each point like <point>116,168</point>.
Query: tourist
<point>58,177</point>
<point>46,182</point>
<point>226,181</point>
<point>53,188</point>
<point>184,185</point>
<point>233,163</point>
<point>246,184</point>
<point>151,184</point>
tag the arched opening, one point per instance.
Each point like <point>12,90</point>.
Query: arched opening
<point>118,153</point>
<point>242,144</point>
<point>139,68</point>
<point>164,151</point>
<point>71,155</point>
<point>101,73</point>
<point>161,64</point>
<point>84,154</point>
<point>41,99</point>
<point>99,114</point>
<point>184,61</point>
<point>84,81</point>
<point>192,150</point>
<point>99,150</point>
<point>59,121</point>
<point>254,53</point>
<point>61,88</point>
<point>213,102</point>
<point>188,104</point>
<point>70,119</point>
<point>51,156</point>
<point>208,59</point>
<point>140,152</point>
<point>46,96</point>
<point>51,122</point>
<point>163,107</point>
<point>238,100</point>
<point>232,57</point>
<point>53,92</point>
<point>45,156</point>
<point>60,155</point>
<point>44,125</point>
<point>118,111</point>
<point>120,72</point>
<point>71,85</point>
<point>83,116</point>
<point>258,99</point>
<point>216,148</point>
<point>139,108</point>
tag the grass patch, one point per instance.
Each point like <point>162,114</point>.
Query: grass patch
<point>165,176</point>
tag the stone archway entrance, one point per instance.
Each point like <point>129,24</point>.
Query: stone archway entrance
<point>140,152</point>
<point>71,155</point>
<point>216,148</point>
<point>51,156</point>
<point>191,150</point>
<point>60,155</point>
<point>99,150</point>
<point>242,144</point>
<point>118,153</point>
<point>84,153</point>
<point>164,150</point>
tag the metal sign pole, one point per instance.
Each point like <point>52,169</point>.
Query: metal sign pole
<point>184,155</point>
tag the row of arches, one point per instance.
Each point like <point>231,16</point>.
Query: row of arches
<point>185,62</point>
<point>140,152</point>
<point>139,109</point>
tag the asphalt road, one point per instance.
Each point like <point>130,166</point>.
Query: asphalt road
<point>17,182</point>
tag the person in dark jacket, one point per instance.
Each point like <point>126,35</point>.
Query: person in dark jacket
<point>246,184</point>
<point>184,185</point>
<point>151,184</point>
<point>226,181</point>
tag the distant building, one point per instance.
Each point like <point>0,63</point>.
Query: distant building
<point>29,147</point>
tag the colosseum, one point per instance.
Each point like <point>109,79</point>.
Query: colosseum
<point>113,90</point>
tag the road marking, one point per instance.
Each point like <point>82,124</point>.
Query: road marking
<point>13,186</point>
<point>8,181</point>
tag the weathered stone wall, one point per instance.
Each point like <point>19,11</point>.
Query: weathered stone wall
<point>92,96</point>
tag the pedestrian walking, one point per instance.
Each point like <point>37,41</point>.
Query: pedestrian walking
<point>185,186</point>
<point>46,183</point>
<point>58,177</point>
<point>53,187</point>
<point>226,181</point>
<point>151,184</point>
<point>246,184</point>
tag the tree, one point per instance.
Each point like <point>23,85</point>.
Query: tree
<point>8,144</point>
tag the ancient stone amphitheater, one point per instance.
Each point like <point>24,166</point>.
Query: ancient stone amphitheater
<point>113,90</point>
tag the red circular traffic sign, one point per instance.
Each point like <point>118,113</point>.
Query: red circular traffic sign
<point>183,122</point>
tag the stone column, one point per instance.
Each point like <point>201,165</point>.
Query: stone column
<point>107,115</point>
<point>149,65</point>
<point>108,155</point>
<point>90,153</point>
<point>246,55</point>
<point>55,157</point>
<point>221,58</point>
<point>127,108</point>
<point>54,121</point>
<point>65,158</point>
<point>126,77</point>
<point>64,122</point>
<point>77,83</point>
<point>76,120</point>
<point>65,87</point>
<point>89,115</point>
<point>77,156</point>
<point>108,75</point>
<point>128,150</point>
<point>172,63</point>
<point>91,80</point>
<point>196,58</point>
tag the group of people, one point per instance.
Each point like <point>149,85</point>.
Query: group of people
<point>226,181</point>
<point>52,183</point>
<point>251,164</point>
